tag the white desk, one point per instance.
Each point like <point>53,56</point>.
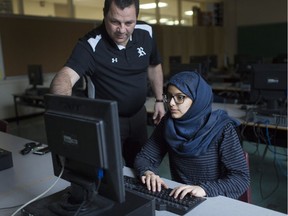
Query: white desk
<point>30,175</point>
<point>33,174</point>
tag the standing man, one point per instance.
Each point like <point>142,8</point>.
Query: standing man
<point>118,56</point>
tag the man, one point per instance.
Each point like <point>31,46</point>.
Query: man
<point>118,56</point>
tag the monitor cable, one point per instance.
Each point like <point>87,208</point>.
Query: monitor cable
<point>62,159</point>
<point>100,177</point>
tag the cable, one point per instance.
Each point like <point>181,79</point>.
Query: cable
<point>36,198</point>
<point>100,176</point>
<point>11,207</point>
<point>276,160</point>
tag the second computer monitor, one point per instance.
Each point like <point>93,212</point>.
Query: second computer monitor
<point>269,87</point>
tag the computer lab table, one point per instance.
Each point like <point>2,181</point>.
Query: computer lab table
<point>236,111</point>
<point>32,174</point>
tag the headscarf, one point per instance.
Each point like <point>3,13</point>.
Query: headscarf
<point>192,134</point>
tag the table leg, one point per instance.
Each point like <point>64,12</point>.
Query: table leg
<point>16,110</point>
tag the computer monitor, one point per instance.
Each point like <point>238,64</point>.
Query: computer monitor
<point>35,75</point>
<point>175,59</point>
<point>243,65</point>
<point>84,133</point>
<point>177,68</point>
<point>269,87</point>
<point>208,62</point>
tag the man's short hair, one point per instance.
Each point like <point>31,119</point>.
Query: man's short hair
<point>122,4</point>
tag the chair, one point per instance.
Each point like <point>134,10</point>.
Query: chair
<point>246,197</point>
<point>3,126</point>
<point>90,87</point>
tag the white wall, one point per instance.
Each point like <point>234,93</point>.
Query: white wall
<point>16,85</point>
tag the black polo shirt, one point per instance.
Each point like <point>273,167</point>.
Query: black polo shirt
<point>117,74</point>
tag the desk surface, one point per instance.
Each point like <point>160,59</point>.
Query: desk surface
<point>233,110</point>
<point>32,174</point>
<point>238,87</point>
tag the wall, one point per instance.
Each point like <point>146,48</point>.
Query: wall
<point>34,40</point>
<point>255,12</point>
<point>224,41</point>
<point>188,41</point>
<point>261,28</point>
<point>16,85</point>
<point>243,15</point>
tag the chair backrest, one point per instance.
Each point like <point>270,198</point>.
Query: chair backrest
<point>90,87</point>
<point>3,126</point>
<point>246,197</point>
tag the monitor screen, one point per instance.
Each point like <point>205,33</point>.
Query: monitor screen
<point>35,75</point>
<point>207,62</point>
<point>84,133</point>
<point>177,68</point>
<point>243,63</point>
<point>175,59</point>
<point>269,85</point>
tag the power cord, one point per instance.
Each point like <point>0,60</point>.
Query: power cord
<point>100,177</point>
<point>62,160</point>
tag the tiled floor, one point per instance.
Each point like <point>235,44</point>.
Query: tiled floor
<point>268,172</point>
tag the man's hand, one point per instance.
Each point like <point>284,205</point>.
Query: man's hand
<point>159,112</point>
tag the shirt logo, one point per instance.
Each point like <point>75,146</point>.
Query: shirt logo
<point>114,60</point>
<point>141,51</point>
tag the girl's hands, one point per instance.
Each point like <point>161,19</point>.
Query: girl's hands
<point>153,181</point>
<point>183,190</point>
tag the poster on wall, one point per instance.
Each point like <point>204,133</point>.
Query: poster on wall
<point>2,73</point>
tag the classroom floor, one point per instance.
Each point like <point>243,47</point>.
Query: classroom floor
<point>268,171</point>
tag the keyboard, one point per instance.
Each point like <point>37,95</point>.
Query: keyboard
<point>163,201</point>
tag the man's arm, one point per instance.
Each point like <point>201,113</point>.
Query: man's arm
<point>63,81</point>
<point>155,76</point>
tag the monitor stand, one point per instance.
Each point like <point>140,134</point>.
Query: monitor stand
<point>134,205</point>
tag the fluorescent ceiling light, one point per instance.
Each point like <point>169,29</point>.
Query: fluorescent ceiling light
<point>153,5</point>
<point>152,21</point>
<point>163,20</point>
<point>188,13</point>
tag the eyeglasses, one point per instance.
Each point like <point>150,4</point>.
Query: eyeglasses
<point>178,98</point>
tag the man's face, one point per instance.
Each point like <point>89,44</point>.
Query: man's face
<point>120,23</point>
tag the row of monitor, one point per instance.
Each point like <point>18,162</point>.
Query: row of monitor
<point>268,82</point>
<point>242,63</point>
<point>203,63</point>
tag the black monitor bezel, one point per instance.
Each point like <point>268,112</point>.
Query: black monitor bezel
<point>35,75</point>
<point>112,185</point>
